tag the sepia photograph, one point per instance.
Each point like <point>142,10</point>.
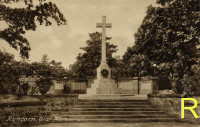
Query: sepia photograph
<point>99,63</point>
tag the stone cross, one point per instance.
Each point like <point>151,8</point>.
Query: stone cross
<point>103,25</point>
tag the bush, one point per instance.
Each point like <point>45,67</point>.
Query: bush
<point>191,81</point>
<point>34,90</point>
<point>177,86</point>
<point>66,89</point>
<point>164,83</point>
<point>25,87</point>
<point>44,84</point>
<point>3,89</point>
<point>14,89</point>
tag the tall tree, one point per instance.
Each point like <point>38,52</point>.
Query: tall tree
<point>57,70</point>
<point>46,68</point>
<point>170,35</point>
<point>10,71</point>
<point>45,59</point>
<point>135,63</point>
<point>20,20</point>
<point>118,68</point>
<point>88,61</point>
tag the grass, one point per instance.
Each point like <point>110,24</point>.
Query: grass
<point>10,98</point>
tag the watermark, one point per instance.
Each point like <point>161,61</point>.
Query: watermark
<point>45,119</point>
<point>183,108</point>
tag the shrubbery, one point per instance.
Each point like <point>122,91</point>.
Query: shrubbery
<point>191,81</point>
<point>44,84</point>
<point>177,86</point>
<point>25,87</point>
<point>3,90</point>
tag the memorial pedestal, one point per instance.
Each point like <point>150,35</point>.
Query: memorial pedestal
<point>107,86</point>
<point>104,85</point>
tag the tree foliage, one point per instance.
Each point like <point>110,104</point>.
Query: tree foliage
<point>169,35</point>
<point>118,68</point>
<point>45,59</point>
<point>88,61</point>
<point>47,69</point>
<point>44,84</point>
<point>57,70</point>
<point>10,71</point>
<point>20,20</point>
<point>135,63</point>
<point>191,81</point>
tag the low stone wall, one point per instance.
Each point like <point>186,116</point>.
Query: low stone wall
<point>145,87</point>
<point>171,104</point>
<point>129,86</point>
<point>38,112</point>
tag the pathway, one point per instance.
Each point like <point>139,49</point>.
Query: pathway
<point>146,124</point>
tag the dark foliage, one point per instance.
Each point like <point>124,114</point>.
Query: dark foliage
<point>20,20</point>
<point>44,84</point>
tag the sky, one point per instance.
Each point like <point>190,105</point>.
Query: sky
<point>62,43</point>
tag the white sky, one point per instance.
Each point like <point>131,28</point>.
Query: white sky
<point>62,43</point>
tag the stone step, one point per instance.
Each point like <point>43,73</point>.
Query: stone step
<point>113,103</point>
<point>125,120</point>
<point>112,100</point>
<point>115,116</point>
<point>112,113</point>
<point>114,109</point>
<point>113,106</point>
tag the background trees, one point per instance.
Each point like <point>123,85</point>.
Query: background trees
<point>191,81</point>
<point>57,70</point>
<point>170,35</point>
<point>10,72</point>
<point>135,63</point>
<point>20,20</point>
<point>47,69</point>
<point>118,68</point>
<point>88,61</point>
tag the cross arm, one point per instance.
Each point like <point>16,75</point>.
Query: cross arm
<point>99,25</point>
<point>107,25</point>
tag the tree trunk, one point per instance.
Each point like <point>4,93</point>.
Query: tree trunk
<point>0,34</point>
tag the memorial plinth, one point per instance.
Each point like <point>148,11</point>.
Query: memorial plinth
<point>104,84</point>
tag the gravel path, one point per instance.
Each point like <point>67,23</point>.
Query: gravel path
<point>151,124</point>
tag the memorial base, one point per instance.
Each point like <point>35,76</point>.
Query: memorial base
<point>105,86</point>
